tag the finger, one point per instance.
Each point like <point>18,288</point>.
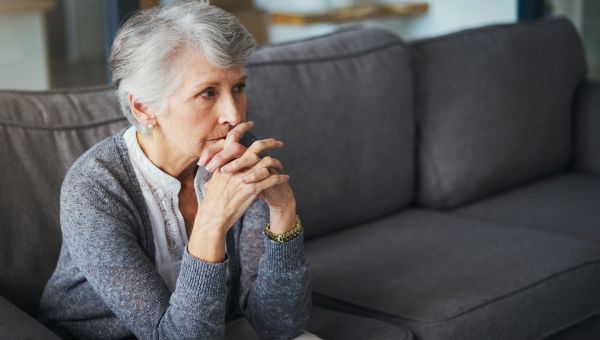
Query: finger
<point>247,160</point>
<point>229,153</point>
<point>262,145</point>
<point>270,181</point>
<point>256,175</point>
<point>269,163</point>
<point>210,151</point>
<point>251,156</point>
<point>237,132</point>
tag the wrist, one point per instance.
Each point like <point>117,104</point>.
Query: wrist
<point>287,236</point>
<point>282,221</point>
<point>207,241</point>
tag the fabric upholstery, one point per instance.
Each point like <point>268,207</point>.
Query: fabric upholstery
<point>16,324</point>
<point>42,134</point>
<point>448,277</point>
<point>588,329</point>
<point>330,325</point>
<point>494,107</point>
<point>342,104</point>
<point>563,204</point>
<point>587,128</point>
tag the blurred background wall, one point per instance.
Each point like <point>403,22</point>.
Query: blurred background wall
<point>64,43</point>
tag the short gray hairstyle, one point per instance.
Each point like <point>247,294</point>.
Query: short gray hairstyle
<point>145,50</point>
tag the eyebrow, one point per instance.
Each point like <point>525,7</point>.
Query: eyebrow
<point>243,78</point>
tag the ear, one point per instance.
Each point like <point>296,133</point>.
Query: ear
<point>141,112</point>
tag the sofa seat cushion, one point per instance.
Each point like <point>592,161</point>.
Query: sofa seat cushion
<point>447,277</point>
<point>330,325</point>
<point>568,204</point>
<point>494,107</point>
<point>16,324</point>
<point>343,105</point>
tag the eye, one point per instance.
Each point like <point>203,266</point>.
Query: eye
<point>240,87</point>
<point>208,93</point>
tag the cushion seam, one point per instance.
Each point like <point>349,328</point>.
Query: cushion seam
<point>398,43</point>
<point>565,327</point>
<point>62,127</point>
<point>519,225</point>
<point>89,89</point>
<point>470,309</point>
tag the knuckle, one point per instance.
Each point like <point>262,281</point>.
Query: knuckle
<point>234,164</point>
<point>238,148</point>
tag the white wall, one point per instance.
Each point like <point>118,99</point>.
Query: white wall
<point>443,16</point>
<point>23,60</point>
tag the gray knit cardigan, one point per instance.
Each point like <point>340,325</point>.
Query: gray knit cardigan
<point>106,285</point>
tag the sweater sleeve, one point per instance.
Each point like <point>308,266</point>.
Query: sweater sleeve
<point>98,229</point>
<point>275,280</point>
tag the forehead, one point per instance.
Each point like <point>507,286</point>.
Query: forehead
<point>195,70</point>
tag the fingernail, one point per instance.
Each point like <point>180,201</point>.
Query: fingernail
<point>225,169</point>
<point>251,122</point>
<point>210,167</point>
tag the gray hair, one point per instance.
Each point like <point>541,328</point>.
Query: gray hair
<point>144,53</point>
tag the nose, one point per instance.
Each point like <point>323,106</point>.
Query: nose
<point>230,111</point>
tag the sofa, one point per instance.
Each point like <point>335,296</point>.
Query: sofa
<point>449,187</point>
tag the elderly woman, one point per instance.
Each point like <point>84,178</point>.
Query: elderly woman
<point>173,226</point>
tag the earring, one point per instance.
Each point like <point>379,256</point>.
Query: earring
<point>150,126</point>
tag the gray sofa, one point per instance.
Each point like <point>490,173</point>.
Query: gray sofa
<point>450,187</point>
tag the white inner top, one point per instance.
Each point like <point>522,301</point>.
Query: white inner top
<point>161,193</point>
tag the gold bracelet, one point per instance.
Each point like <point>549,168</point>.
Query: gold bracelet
<point>288,235</point>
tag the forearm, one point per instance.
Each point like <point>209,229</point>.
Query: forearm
<point>198,304</point>
<point>207,241</point>
<point>278,305</point>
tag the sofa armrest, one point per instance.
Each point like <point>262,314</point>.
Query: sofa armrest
<point>587,128</point>
<point>16,324</point>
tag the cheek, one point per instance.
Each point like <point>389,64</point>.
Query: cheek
<point>244,106</point>
<point>186,124</point>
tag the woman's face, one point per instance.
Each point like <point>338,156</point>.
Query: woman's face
<point>208,103</point>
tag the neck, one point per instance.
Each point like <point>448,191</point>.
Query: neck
<point>171,162</point>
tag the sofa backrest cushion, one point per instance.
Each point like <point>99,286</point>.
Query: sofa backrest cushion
<point>343,106</point>
<point>42,134</point>
<point>494,107</point>
<point>587,128</point>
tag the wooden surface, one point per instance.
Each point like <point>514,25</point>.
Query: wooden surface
<point>13,6</point>
<point>354,13</point>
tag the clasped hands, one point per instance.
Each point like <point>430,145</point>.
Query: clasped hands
<point>240,175</point>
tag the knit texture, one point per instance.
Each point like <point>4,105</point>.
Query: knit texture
<point>106,284</point>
